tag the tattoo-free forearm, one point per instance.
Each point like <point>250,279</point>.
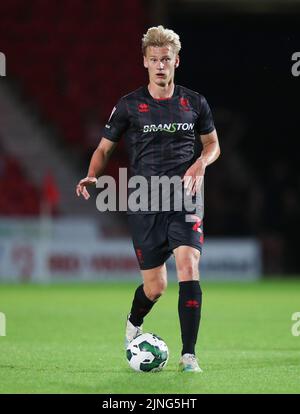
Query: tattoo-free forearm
<point>98,163</point>
<point>210,152</point>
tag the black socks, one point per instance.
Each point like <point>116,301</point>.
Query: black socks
<point>189,309</point>
<point>141,305</point>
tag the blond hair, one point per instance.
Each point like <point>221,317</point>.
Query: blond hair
<point>159,37</point>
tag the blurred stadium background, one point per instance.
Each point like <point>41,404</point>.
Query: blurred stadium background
<point>67,64</point>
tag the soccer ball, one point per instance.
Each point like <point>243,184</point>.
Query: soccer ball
<point>147,352</point>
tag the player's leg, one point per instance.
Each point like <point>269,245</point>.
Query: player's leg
<point>186,238</point>
<point>146,295</point>
<point>189,303</point>
<point>151,246</point>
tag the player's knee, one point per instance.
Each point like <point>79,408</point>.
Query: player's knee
<point>186,266</point>
<point>157,290</point>
<point>188,269</point>
<point>189,260</point>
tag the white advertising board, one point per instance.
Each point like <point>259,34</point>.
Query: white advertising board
<point>76,260</point>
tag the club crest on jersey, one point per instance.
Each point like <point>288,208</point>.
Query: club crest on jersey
<point>143,107</point>
<point>184,104</point>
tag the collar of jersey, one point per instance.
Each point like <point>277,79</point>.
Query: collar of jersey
<point>175,93</point>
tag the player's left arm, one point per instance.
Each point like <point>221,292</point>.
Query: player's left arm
<point>210,152</point>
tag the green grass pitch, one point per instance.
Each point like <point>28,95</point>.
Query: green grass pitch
<point>69,339</point>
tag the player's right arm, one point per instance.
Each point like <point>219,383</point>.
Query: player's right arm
<point>116,126</point>
<point>98,163</point>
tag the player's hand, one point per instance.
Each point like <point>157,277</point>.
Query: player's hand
<point>193,178</point>
<point>81,186</point>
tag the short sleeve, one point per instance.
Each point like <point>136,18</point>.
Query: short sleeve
<point>117,123</point>
<point>204,123</point>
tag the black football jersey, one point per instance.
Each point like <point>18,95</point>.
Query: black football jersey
<point>160,134</point>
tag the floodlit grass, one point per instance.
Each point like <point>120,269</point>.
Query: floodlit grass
<point>69,339</point>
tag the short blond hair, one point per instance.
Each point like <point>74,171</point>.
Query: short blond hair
<point>160,37</point>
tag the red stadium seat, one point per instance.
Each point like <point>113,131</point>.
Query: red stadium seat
<point>67,57</point>
<point>21,197</point>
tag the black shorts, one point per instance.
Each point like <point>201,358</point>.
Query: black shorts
<point>155,236</point>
